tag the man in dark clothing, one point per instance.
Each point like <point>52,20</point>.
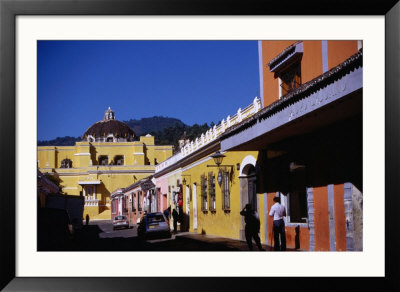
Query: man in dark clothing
<point>87,219</point>
<point>175,218</point>
<point>252,227</point>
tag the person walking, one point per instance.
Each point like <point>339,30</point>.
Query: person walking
<point>87,219</point>
<point>175,219</point>
<point>278,212</point>
<point>252,227</point>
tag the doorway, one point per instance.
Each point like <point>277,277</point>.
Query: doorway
<point>194,199</point>
<point>248,188</point>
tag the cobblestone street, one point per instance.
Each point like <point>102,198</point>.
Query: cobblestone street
<point>99,236</point>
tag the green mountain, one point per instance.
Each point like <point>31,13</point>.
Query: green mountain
<point>167,131</point>
<point>145,126</point>
<point>59,141</point>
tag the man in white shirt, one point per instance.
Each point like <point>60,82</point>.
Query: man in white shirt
<point>278,212</point>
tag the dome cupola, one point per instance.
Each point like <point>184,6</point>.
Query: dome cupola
<point>109,130</point>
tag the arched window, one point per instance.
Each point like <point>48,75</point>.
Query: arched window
<point>103,160</point>
<point>119,160</point>
<point>66,163</point>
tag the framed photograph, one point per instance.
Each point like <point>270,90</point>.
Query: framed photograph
<point>32,35</point>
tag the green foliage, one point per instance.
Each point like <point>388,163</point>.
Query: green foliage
<point>60,141</point>
<point>145,126</point>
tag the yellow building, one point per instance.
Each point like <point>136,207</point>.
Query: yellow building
<point>209,196</point>
<point>110,156</point>
<point>215,195</point>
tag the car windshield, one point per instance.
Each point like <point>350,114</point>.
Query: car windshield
<point>155,218</point>
<point>120,218</point>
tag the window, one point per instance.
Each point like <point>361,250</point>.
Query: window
<point>66,163</point>
<point>88,192</point>
<point>291,78</point>
<point>140,201</point>
<point>296,200</point>
<point>103,160</point>
<point>119,160</point>
<point>203,186</point>
<point>225,191</point>
<point>211,190</point>
<point>155,218</point>
<point>286,67</point>
<point>134,202</point>
<point>126,204</point>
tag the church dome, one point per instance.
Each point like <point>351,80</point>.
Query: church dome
<point>109,130</point>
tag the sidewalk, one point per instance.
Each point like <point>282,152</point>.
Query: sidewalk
<point>231,244</point>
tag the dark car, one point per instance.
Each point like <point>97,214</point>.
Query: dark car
<point>120,222</point>
<point>54,229</point>
<point>154,225</point>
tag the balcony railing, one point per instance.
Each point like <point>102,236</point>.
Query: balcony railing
<point>212,134</point>
<point>91,202</point>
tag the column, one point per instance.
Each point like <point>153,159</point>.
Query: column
<point>310,206</point>
<point>348,211</point>
<point>331,207</point>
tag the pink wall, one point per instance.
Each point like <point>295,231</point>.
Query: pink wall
<point>163,185</point>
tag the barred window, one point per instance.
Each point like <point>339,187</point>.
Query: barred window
<point>211,190</point>
<point>126,205</point>
<point>291,78</point>
<point>225,191</point>
<point>133,202</point>
<point>140,201</point>
<point>203,186</point>
<point>123,199</point>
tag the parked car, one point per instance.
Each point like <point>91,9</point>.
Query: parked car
<point>154,225</point>
<point>54,229</point>
<point>120,222</point>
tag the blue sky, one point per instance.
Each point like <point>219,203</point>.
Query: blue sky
<point>194,81</point>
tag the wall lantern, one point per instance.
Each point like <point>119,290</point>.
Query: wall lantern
<point>184,179</point>
<point>218,157</point>
<point>293,166</point>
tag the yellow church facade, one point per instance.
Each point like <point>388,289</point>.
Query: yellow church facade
<point>110,156</point>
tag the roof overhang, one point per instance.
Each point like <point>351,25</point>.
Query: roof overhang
<point>337,100</point>
<point>286,58</point>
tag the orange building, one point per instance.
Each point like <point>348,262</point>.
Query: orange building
<point>309,134</point>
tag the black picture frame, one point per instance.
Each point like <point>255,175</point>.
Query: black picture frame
<point>10,9</point>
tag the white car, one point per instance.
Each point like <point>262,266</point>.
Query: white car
<point>120,221</point>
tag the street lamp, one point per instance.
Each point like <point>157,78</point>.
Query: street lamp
<point>218,157</point>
